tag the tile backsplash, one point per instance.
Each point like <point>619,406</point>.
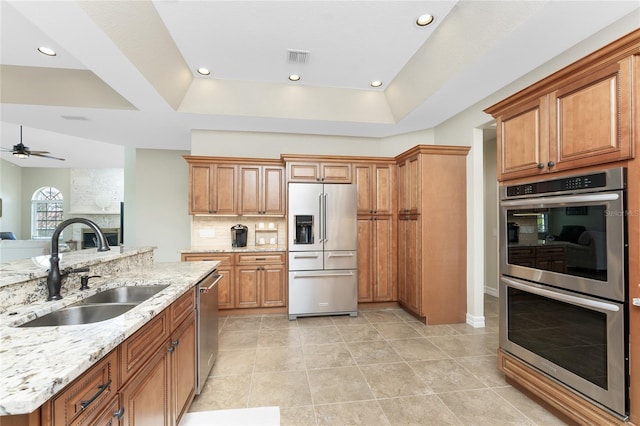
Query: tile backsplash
<point>214,232</point>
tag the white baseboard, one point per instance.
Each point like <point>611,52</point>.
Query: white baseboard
<point>475,321</point>
<point>491,291</point>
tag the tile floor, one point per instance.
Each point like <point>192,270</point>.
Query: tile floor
<point>380,368</point>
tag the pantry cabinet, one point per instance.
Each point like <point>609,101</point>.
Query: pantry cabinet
<point>376,259</point>
<point>262,190</point>
<point>432,254</point>
<point>578,117</point>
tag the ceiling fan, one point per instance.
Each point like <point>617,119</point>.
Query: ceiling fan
<point>22,151</point>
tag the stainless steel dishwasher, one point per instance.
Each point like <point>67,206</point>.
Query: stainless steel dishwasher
<point>207,327</point>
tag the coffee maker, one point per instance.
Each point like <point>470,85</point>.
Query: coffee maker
<point>239,235</point>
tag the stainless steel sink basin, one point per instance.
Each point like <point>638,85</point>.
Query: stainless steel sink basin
<point>99,307</point>
<point>81,314</point>
<point>132,294</point>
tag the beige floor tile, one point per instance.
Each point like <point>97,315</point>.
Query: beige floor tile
<point>396,330</point>
<point>277,321</point>
<point>283,388</point>
<point>526,406</point>
<point>381,316</point>
<point>467,329</point>
<point>278,337</point>
<point>445,375</point>
<point>417,349</point>
<point>490,341</point>
<point>351,413</point>
<point>298,416</point>
<point>224,392</point>
<point>393,380</point>
<point>460,346</point>
<point>327,356</point>
<point>484,368</point>
<point>229,363</point>
<point>320,335</point>
<point>358,332</point>
<point>434,330</point>
<point>315,321</point>
<point>483,407</point>
<point>344,384</point>
<point>373,352</point>
<point>242,323</point>
<point>234,340</point>
<point>283,358</point>
<point>423,410</point>
<point>349,320</point>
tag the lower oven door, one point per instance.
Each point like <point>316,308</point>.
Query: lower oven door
<point>576,340</point>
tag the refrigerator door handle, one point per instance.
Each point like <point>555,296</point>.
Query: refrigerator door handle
<point>320,215</point>
<point>324,217</point>
<point>340,255</point>
<point>297,275</point>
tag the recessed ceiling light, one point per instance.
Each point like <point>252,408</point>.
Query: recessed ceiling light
<point>204,71</point>
<point>424,20</point>
<point>294,77</point>
<point>46,51</point>
<point>376,83</point>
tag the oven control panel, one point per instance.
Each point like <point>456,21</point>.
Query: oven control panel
<point>610,179</point>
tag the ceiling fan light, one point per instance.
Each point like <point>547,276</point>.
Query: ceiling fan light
<point>47,51</point>
<point>21,155</point>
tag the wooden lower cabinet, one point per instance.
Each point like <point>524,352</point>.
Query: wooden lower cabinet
<point>250,280</point>
<point>376,259</point>
<point>149,379</point>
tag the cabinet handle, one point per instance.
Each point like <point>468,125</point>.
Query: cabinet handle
<point>540,166</point>
<point>171,349</point>
<point>550,164</point>
<point>101,388</point>
<point>261,258</point>
<point>175,342</point>
<point>118,414</point>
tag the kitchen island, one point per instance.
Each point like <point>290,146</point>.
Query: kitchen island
<point>38,362</point>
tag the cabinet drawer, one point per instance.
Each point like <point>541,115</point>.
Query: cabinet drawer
<point>137,349</point>
<point>260,258</point>
<point>224,259</point>
<point>83,400</point>
<point>181,308</point>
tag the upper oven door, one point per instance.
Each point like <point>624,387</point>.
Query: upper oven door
<point>575,242</point>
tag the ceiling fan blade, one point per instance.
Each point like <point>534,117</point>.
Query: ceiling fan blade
<point>45,156</point>
<point>6,149</point>
<point>39,152</point>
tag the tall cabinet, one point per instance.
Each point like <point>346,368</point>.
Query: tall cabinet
<point>432,233</point>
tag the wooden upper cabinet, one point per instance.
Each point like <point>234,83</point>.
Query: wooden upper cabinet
<point>376,183</point>
<point>580,116</point>
<point>212,188</point>
<point>318,171</point>
<point>262,190</point>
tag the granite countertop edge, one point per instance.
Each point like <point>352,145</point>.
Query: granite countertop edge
<point>38,362</point>
<point>195,250</point>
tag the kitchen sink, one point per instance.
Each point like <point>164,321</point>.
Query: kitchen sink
<point>132,294</point>
<point>81,314</point>
<point>99,307</point>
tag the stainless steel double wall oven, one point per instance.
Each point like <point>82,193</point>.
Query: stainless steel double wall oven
<point>563,291</point>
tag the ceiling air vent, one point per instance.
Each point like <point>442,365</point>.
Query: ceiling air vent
<point>297,56</point>
<point>74,117</point>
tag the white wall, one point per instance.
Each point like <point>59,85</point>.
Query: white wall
<point>158,205</point>
<point>11,194</point>
<point>490,215</point>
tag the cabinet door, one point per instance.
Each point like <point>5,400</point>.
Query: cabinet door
<point>272,286</point>
<point>413,184</point>
<point>365,258</point>
<point>303,171</point>
<point>382,260</point>
<point>335,172</point>
<point>110,416</point>
<point>273,190</point>
<point>183,367</point>
<point>382,189</point>
<point>225,189</point>
<point>200,188</point>
<point>247,290</point>
<point>226,284</point>
<point>145,397</point>
<point>250,190</point>
<point>409,276</point>
<point>591,119</point>
<point>363,177</point>
<point>523,140</point>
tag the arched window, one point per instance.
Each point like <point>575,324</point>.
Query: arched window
<point>46,212</point>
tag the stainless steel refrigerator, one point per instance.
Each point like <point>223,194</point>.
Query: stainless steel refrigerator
<point>322,246</point>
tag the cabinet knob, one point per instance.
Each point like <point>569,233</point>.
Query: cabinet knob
<point>550,164</point>
<point>118,414</point>
<point>540,166</point>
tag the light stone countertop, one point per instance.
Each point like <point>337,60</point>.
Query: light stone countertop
<point>233,249</point>
<point>38,362</point>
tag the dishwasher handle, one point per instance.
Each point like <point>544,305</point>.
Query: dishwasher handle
<point>204,290</point>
